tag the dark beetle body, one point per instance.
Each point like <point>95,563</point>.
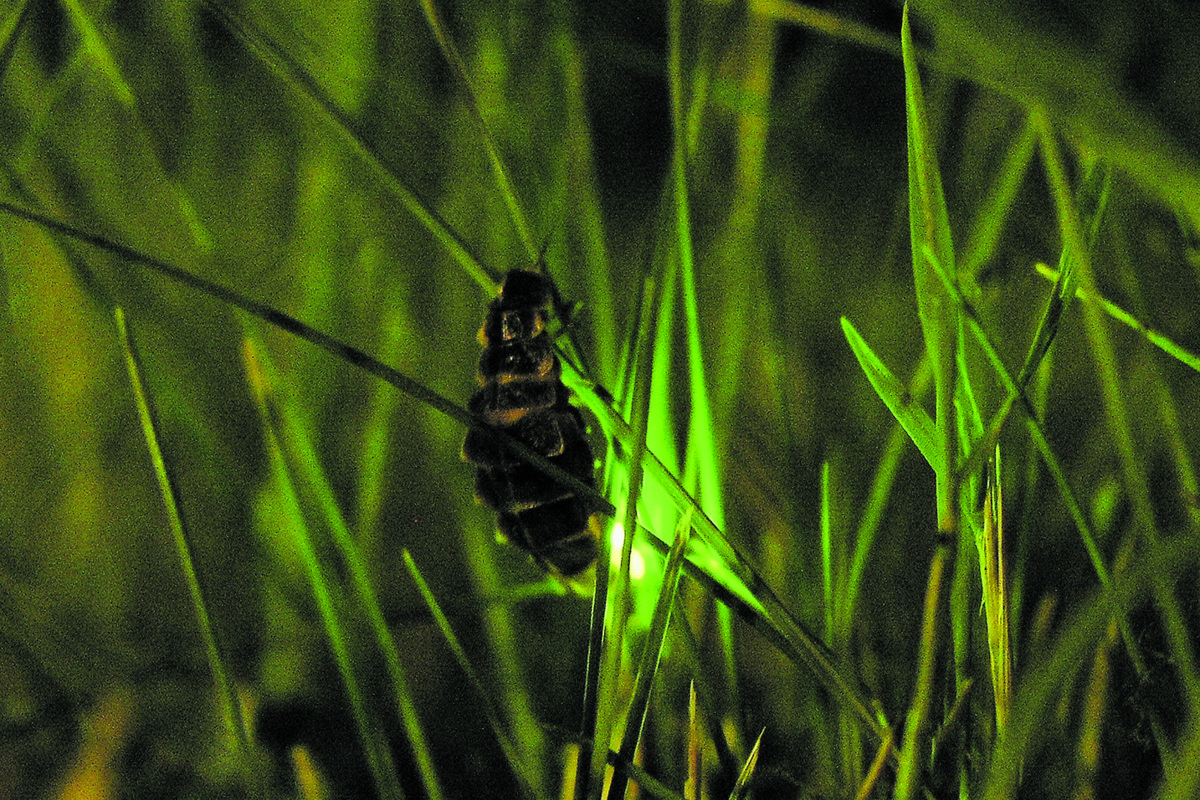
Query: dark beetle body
<point>522,394</point>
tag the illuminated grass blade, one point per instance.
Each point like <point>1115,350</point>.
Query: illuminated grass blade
<point>742,786</point>
<point>635,721</point>
<point>600,706</point>
<point>1117,417</point>
<point>732,580</point>
<point>231,708</point>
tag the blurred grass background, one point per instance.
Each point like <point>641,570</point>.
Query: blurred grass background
<point>155,125</point>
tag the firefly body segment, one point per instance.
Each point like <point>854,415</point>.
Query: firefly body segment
<point>522,395</point>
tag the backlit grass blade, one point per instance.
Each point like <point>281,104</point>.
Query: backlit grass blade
<point>702,458</point>
<point>227,699</point>
<point>635,720</point>
<point>95,47</point>
<point>733,580</point>
<point>600,707</point>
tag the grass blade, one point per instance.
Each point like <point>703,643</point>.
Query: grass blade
<point>635,721</point>
<point>271,53</point>
<point>503,183</point>
<point>1162,342</point>
<point>310,478</point>
<point>493,716</point>
<point>290,470</point>
<point>929,229</point>
<point>231,708</point>
<point>914,419</point>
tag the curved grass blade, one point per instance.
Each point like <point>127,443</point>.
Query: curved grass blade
<point>231,708</point>
<point>352,355</point>
<point>739,585</point>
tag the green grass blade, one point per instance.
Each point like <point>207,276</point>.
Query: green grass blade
<point>271,53</point>
<point>1162,342</point>
<point>511,753</point>
<point>912,417</point>
<point>287,467</point>
<point>231,708</point>
<point>96,49</point>
<point>929,229</point>
<point>827,566</point>
<point>635,721</point>
<point>702,458</point>
<point>600,714</point>
<point>1117,417</point>
<point>503,183</point>
<point>985,234</point>
<point>310,479</point>
<point>1093,197</point>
